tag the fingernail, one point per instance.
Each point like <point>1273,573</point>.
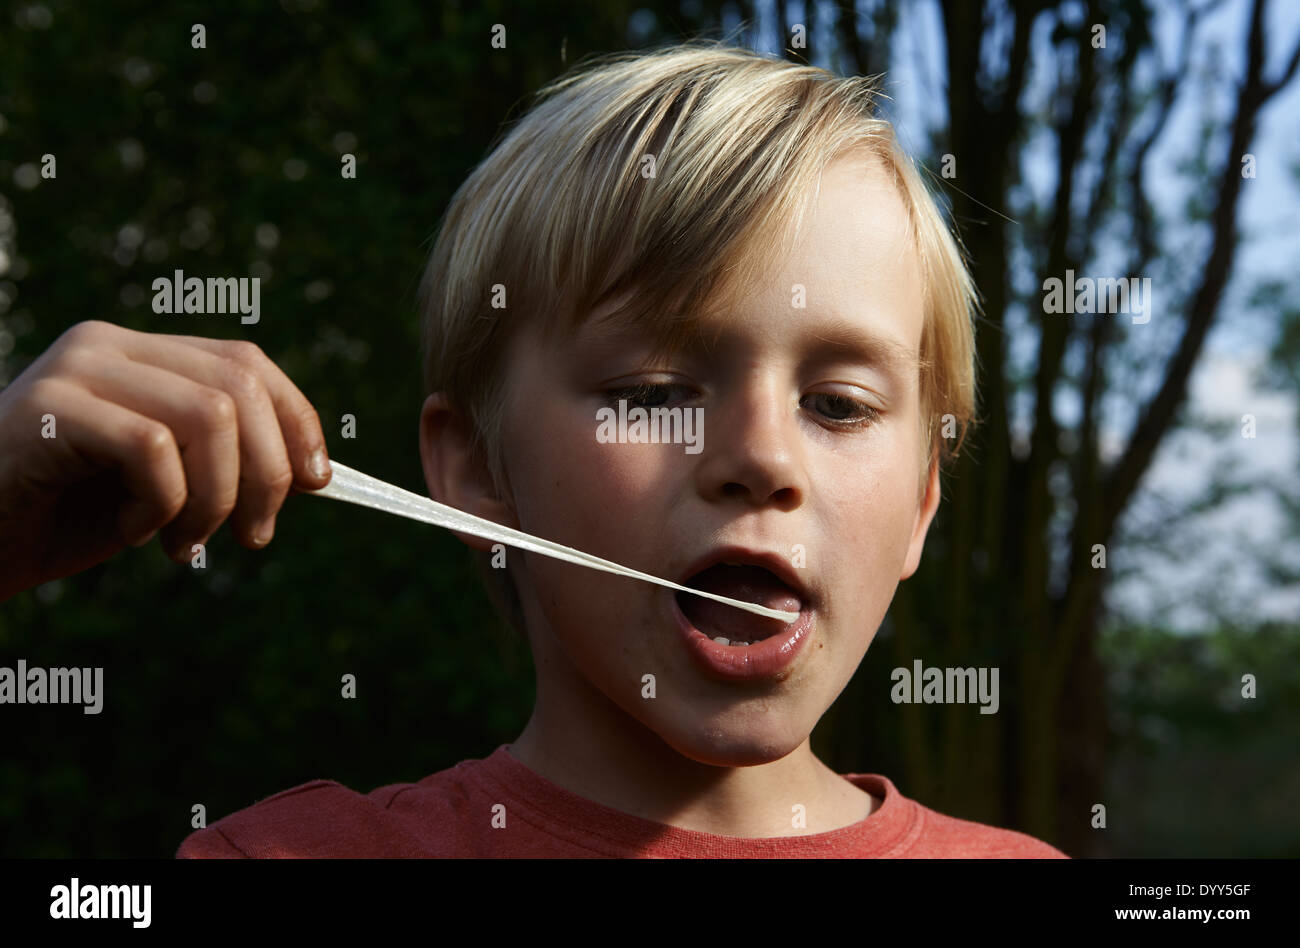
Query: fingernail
<point>263,532</point>
<point>318,465</point>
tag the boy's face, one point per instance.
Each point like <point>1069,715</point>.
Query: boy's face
<point>793,460</point>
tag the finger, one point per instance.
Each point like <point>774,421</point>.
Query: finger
<point>142,449</point>
<point>204,421</point>
<point>299,423</point>
<point>252,475</point>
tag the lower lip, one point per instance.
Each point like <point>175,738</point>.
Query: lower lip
<point>770,658</point>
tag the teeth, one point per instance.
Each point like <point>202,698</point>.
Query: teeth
<point>722,640</point>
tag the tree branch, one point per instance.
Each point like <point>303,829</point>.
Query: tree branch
<point>850,38</point>
<point>1272,88</point>
<point>1159,413</point>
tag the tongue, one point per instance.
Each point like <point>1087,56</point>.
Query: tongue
<point>747,583</point>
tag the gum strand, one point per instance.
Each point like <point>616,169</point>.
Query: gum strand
<point>354,487</point>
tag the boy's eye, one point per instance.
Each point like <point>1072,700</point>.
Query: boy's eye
<point>647,394</point>
<point>844,411</point>
<point>841,410</point>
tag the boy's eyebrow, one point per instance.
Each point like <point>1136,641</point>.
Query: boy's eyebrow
<point>839,336</point>
<point>833,337</point>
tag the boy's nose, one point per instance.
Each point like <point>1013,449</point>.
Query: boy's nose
<point>752,452</point>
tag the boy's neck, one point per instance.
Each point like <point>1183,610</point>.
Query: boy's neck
<point>625,766</point>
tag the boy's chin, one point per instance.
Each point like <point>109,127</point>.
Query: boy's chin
<point>734,747</point>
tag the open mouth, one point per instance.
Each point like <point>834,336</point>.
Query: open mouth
<point>746,581</point>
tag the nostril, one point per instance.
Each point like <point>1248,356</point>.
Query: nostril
<point>784,497</point>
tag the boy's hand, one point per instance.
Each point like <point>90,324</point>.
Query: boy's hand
<point>149,431</point>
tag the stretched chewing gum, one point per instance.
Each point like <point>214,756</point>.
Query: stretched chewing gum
<point>357,488</point>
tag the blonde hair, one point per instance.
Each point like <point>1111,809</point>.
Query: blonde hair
<point>565,217</point>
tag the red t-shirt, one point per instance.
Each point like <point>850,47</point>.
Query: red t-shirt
<point>452,814</point>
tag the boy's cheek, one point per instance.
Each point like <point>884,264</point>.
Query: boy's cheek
<point>862,561</point>
<point>596,493</point>
<point>608,627</point>
<point>554,484</point>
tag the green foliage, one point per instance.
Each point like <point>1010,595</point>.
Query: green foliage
<point>1196,769</point>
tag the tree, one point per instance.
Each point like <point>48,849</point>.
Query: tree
<point>1013,569</point>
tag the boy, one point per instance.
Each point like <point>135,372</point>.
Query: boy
<point>697,228</point>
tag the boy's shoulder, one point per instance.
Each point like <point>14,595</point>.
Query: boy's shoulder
<point>325,819</point>
<point>962,839</point>
<point>949,837</point>
<point>905,828</point>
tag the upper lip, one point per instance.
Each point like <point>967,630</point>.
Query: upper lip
<point>773,562</point>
